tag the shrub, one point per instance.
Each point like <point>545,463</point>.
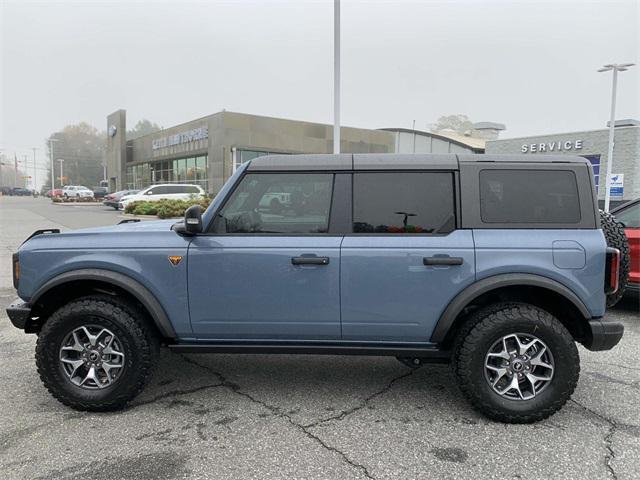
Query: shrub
<point>165,208</point>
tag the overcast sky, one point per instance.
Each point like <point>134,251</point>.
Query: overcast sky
<point>531,65</point>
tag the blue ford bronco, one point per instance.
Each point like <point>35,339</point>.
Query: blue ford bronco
<point>495,264</point>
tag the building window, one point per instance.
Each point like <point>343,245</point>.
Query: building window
<point>181,170</point>
<point>595,163</point>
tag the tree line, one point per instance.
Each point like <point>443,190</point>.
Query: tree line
<point>82,147</point>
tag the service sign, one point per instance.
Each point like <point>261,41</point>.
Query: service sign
<point>555,146</point>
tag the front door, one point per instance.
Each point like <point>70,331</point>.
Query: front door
<point>405,260</point>
<point>268,268</point>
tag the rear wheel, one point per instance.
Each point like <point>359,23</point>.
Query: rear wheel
<point>96,353</point>
<point>614,235</point>
<point>517,364</point>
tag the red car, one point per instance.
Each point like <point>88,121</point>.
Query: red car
<point>629,215</point>
<point>57,192</point>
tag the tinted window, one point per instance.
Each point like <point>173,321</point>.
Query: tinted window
<point>529,196</point>
<point>630,216</point>
<point>278,203</point>
<point>389,202</point>
<point>193,189</point>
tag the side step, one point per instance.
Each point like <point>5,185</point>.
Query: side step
<point>428,353</point>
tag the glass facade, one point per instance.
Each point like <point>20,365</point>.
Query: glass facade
<point>179,170</point>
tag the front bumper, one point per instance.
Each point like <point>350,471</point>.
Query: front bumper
<point>603,335</point>
<point>19,313</point>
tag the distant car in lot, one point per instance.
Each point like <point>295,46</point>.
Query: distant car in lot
<point>5,190</point>
<point>112,199</point>
<point>20,192</point>
<point>76,191</point>
<point>100,192</point>
<point>56,192</point>
<point>170,191</point>
<point>629,215</point>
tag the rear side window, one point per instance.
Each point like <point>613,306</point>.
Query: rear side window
<point>193,189</point>
<point>403,202</point>
<point>529,196</point>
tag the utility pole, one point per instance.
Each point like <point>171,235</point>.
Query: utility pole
<point>26,177</point>
<point>53,175</point>
<point>616,68</point>
<point>61,160</point>
<point>336,76</point>
<point>35,168</point>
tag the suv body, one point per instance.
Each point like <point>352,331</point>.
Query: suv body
<point>76,191</point>
<point>169,191</point>
<point>417,256</point>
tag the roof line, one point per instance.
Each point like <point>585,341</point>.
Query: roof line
<point>438,136</point>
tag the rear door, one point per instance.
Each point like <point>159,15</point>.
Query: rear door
<point>406,259</point>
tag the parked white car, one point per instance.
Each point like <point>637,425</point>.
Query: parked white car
<point>169,191</point>
<point>76,191</point>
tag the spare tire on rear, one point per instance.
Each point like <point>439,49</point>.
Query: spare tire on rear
<point>614,234</point>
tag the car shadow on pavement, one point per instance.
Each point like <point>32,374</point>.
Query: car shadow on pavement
<point>311,389</point>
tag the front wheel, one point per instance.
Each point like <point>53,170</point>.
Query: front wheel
<point>517,364</point>
<point>96,353</point>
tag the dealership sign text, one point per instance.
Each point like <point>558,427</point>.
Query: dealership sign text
<point>182,137</point>
<point>559,146</point>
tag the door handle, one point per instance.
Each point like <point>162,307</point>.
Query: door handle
<point>442,260</point>
<point>310,260</point>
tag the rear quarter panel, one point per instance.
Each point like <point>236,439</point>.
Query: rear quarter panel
<point>574,258</point>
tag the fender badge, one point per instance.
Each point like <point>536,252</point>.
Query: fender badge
<point>175,259</point>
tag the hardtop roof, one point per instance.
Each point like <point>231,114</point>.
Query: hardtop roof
<point>396,161</point>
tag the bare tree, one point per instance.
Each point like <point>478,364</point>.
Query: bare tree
<point>458,123</point>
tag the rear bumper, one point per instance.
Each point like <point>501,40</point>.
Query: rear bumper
<point>603,335</point>
<point>19,312</point>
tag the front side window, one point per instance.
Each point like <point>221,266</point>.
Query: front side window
<point>403,202</point>
<point>288,203</point>
<point>529,196</point>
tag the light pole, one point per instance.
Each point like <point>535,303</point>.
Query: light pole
<point>615,67</point>
<point>35,168</point>
<point>336,76</point>
<point>53,185</point>
<point>61,160</point>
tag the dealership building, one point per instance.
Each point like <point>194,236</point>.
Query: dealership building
<point>593,145</point>
<point>208,150</point>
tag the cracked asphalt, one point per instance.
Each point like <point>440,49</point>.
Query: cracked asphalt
<point>285,416</point>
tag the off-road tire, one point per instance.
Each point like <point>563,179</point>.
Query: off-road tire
<point>614,235</point>
<point>488,325</point>
<point>139,340</point>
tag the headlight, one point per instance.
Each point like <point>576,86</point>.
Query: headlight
<point>16,270</point>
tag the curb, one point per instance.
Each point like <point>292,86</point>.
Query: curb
<point>79,204</point>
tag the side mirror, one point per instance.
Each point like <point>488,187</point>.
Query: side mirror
<point>193,220</point>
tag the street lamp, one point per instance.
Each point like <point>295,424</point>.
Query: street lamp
<point>615,67</point>
<point>53,185</point>
<point>336,76</point>
<point>35,168</point>
<point>61,160</point>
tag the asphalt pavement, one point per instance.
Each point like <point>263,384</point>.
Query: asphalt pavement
<point>286,416</point>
